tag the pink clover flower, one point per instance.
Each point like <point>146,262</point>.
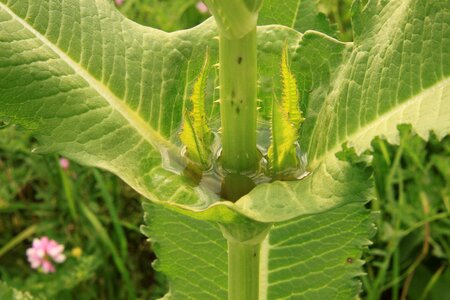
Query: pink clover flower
<point>44,253</point>
<point>64,163</point>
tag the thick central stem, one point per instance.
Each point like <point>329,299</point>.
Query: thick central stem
<point>236,21</point>
<point>243,271</point>
<point>238,103</point>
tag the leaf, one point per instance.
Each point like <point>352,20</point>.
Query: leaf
<point>333,184</point>
<point>107,92</point>
<point>117,103</point>
<point>305,258</point>
<point>352,93</point>
<point>290,98</point>
<point>286,119</point>
<point>382,81</point>
<point>301,15</point>
<point>282,152</point>
<point>195,133</point>
<point>191,253</point>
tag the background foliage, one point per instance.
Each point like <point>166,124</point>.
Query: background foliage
<point>85,208</point>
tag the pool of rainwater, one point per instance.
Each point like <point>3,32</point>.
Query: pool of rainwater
<point>230,186</point>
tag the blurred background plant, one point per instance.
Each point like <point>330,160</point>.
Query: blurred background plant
<point>92,213</point>
<point>169,15</point>
<point>339,13</point>
<point>97,217</point>
<point>410,257</point>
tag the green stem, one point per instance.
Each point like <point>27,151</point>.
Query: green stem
<point>236,20</point>
<point>18,239</point>
<point>243,271</point>
<point>244,245</point>
<point>238,103</point>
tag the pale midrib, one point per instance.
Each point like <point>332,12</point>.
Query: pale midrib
<point>133,118</point>
<point>382,118</point>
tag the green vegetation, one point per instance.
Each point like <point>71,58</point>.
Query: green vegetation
<point>410,257</point>
<point>95,212</point>
<point>81,208</point>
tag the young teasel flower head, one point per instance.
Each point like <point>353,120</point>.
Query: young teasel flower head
<point>235,18</point>
<point>44,253</point>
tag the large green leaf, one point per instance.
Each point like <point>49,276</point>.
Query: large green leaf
<point>397,71</point>
<point>315,257</point>
<point>107,92</point>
